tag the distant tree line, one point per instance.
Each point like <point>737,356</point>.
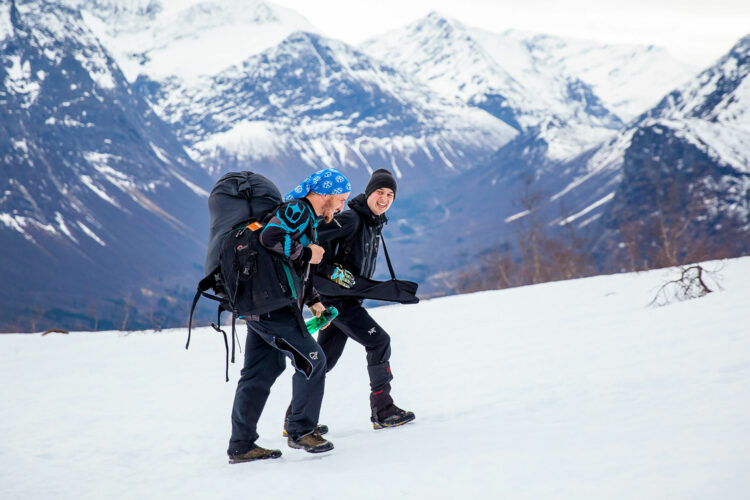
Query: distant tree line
<point>167,310</point>
<point>679,226</point>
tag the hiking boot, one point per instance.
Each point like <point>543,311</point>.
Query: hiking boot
<point>254,453</point>
<point>320,429</point>
<point>311,443</point>
<point>395,417</point>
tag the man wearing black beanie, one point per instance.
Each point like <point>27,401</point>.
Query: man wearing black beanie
<point>381,178</point>
<point>351,241</point>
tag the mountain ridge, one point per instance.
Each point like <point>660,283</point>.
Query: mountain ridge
<point>97,188</point>
<point>313,103</point>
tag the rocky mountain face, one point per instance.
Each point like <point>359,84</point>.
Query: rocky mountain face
<point>671,186</point>
<point>686,169</point>
<point>101,208</point>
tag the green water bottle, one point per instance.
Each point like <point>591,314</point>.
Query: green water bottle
<point>325,317</point>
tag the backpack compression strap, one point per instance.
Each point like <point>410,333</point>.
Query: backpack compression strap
<point>204,284</point>
<point>216,327</point>
<point>226,347</point>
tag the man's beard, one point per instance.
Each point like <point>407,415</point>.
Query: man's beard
<point>329,211</point>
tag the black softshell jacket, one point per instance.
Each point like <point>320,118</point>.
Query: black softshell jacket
<point>352,239</point>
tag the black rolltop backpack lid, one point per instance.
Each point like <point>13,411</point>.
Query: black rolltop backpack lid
<point>246,278</point>
<point>235,198</point>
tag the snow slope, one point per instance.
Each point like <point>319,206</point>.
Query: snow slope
<point>563,390</point>
<point>187,38</point>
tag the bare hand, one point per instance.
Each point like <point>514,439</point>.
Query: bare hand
<point>317,253</point>
<point>317,309</point>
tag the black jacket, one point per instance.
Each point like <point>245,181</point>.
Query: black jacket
<point>352,239</point>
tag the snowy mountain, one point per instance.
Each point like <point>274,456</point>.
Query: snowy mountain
<point>502,76</point>
<point>122,109</point>
<point>227,76</point>
<point>559,117</point>
<point>97,195</point>
<point>688,147</point>
<point>687,155</point>
<point>565,96</point>
<point>527,78</point>
<point>564,390</point>
<point>187,38</point>
<point>629,79</point>
<point>312,102</point>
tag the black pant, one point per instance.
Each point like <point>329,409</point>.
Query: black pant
<point>354,322</point>
<point>277,334</point>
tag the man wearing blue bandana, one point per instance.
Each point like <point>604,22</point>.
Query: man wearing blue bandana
<point>291,232</point>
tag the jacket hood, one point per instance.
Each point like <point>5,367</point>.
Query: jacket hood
<point>359,205</point>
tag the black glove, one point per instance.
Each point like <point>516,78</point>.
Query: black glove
<point>342,277</point>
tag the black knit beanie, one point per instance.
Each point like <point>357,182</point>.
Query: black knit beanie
<point>380,178</point>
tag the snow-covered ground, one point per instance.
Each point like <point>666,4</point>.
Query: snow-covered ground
<point>573,389</point>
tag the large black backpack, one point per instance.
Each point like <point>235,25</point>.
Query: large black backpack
<point>246,279</point>
<point>235,198</point>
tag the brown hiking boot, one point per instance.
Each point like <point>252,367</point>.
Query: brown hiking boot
<point>311,443</point>
<point>396,417</point>
<point>320,429</point>
<point>255,453</point>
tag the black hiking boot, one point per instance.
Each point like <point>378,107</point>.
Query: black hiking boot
<point>393,417</point>
<point>254,453</point>
<point>311,443</point>
<point>320,429</point>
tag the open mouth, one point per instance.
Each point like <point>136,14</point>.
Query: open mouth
<point>381,205</point>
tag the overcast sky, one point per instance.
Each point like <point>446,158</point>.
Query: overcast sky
<point>698,32</point>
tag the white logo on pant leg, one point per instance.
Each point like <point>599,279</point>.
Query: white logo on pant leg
<point>314,355</point>
<point>371,330</point>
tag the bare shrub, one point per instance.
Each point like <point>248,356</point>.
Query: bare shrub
<point>693,282</point>
<point>54,330</point>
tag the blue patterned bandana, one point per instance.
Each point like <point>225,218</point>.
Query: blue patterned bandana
<point>326,182</point>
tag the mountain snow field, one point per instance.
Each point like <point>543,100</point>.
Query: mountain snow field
<point>187,38</point>
<point>574,389</point>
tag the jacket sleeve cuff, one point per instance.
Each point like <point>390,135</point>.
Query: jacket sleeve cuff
<point>313,298</point>
<point>324,269</point>
<point>306,254</point>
